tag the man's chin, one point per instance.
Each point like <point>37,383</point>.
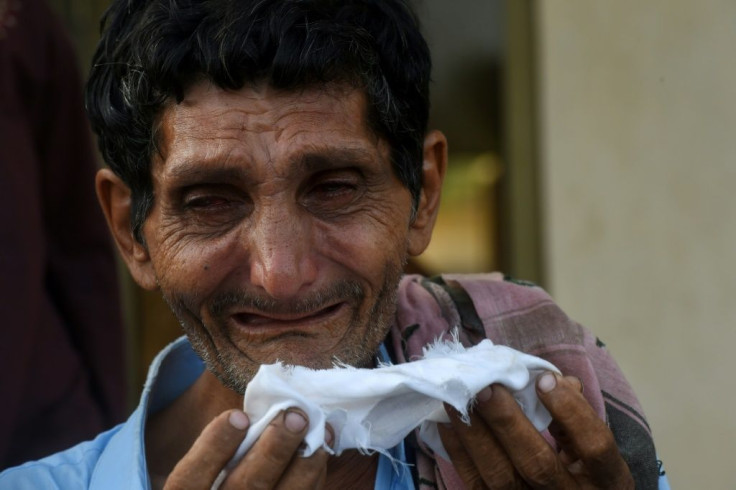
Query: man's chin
<point>302,352</point>
<point>235,369</point>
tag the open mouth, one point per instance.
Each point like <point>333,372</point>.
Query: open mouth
<point>276,320</point>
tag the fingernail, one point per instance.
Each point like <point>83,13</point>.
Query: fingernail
<point>238,419</point>
<point>547,382</point>
<point>485,394</point>
<point>294,421</point>
<point>582,386</point>
<point>328,437</point>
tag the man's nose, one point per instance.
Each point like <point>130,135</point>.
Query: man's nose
<point>283,259</point>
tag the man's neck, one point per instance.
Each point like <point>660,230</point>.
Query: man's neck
<point>172,431</point>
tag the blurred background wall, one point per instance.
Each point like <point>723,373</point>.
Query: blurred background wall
<point>637,119</point>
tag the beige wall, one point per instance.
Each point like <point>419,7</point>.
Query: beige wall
<point>638,124</point>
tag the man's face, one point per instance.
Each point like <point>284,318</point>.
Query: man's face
<point>279,230</point>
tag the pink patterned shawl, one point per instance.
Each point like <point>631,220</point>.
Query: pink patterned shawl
<point>522,316</point>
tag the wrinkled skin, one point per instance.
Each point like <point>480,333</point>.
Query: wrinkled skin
<point>501,449</point>
<point>278,232</point>
<point>263,203</point>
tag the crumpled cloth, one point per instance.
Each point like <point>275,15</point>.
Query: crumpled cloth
<point>375,409</point>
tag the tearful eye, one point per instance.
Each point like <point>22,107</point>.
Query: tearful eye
<point>333,192</point>
<point>213,212</point>
<point>205,202</point>
<point>334,187</point>
<point>332,197</point>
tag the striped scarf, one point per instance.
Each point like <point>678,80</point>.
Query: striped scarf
<point>524,317</point>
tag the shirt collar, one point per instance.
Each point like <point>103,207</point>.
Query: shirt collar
<point>173,370</point>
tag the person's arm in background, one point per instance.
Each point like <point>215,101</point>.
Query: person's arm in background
<point>61,357</point>
<point>81,269</point>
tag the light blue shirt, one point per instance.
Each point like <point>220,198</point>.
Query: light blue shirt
<point>116,459</point>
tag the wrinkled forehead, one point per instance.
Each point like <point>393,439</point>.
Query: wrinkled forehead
<point>261,122</point>
<point>205,107</point>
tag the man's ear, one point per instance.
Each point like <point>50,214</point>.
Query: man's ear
<point>114,197</point>
<point>433,174</point>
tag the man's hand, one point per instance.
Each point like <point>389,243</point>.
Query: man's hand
<point>272,463</point>
<point>502,449</point>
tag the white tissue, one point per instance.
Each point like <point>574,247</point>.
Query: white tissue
<point>374,409</point>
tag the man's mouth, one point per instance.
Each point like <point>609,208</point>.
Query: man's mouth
<point>277,321</point>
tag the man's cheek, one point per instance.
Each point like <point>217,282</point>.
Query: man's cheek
<point>183,305</point>
<point>190,264</point>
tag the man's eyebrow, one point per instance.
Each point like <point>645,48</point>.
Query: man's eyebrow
<point>311,161</point>
<point>315,161</point>
<point>196,172</point>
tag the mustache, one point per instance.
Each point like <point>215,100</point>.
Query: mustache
<point>340,291</point>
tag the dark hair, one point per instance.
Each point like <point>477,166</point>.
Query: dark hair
<point>151,51</point>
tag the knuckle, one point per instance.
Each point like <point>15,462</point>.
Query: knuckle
<point>305,472</point>
<point>257,484</point>
<point>502,414</point>
<point>601,448</point>
<point>277,455</point>
<point>500,479</point>
<point>476,483</point>
<point>542,469</point>
<point>175,482</point>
